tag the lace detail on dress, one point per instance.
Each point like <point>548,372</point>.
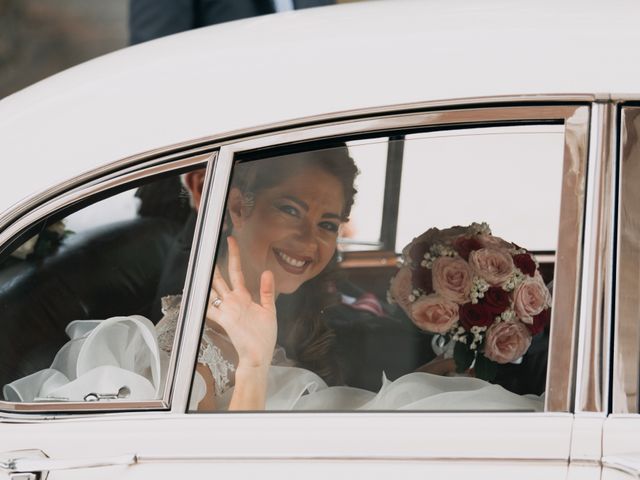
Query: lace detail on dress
<point>166,327</point>
<point>220,368</point>
<point>209,353</point>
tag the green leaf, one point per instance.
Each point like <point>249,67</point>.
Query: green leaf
<point>463,357</point>
<point>485,368</point>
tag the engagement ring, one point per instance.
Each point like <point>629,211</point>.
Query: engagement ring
<point>216,302</point>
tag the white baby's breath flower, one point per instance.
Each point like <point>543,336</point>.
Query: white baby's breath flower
<point>480,228</point>
<point>478,287</point>
<point>513,281</point>
<point>508,315</point>
<point>390,298</point>
<point>414,295</point>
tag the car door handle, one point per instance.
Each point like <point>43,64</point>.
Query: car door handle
<point>19,464</point>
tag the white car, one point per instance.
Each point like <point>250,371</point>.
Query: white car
<point>525,115</point>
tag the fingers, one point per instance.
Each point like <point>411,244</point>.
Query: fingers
<point>219,284</point>
<point>235,268</point>
<point>267,291</point>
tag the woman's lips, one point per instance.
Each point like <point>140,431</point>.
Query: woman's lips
<point>290,263</point>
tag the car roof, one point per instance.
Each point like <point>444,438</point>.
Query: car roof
<point>275,68</point>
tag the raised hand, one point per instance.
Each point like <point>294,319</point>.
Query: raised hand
<point>251,326</point>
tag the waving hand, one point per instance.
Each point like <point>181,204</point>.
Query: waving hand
<point>251,326</point>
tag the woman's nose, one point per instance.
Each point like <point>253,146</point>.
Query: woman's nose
<point>306,235</point>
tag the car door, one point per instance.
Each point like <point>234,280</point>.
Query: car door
<point>167,437</point>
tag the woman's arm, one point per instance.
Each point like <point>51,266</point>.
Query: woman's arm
<point>251,388</point>
<point>208,403</point>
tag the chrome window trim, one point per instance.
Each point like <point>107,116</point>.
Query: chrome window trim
<point>560,381</point>
<point>426,459</point>
<point>407,120</point>
<point>132,174</point>
<point>626,337</point>
<point>197,287</point>
<point>597,275</point>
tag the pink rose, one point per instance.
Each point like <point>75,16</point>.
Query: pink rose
<point>434,313</point>
<point>401,287</point>
<point>489,241</point>
<point>506,341</point>
<point>492,264</point>
<point>530,298</point>
<point>452,278</point>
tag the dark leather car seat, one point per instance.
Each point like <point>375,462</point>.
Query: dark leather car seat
<point>107,271</point>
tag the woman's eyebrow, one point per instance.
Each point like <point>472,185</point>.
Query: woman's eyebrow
<point>305,207</point>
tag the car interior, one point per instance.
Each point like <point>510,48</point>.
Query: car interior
<point>120,268</point>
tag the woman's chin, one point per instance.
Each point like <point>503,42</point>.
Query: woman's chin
<point>287,287</point>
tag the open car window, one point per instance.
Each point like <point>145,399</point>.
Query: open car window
<point>433,290</point>
<point>84,288</point>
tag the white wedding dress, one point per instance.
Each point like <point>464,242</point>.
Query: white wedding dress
<point>127,358</point>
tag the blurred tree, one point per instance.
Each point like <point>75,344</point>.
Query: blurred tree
<point>41,37</point>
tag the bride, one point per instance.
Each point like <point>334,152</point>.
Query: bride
<point>265,343</point>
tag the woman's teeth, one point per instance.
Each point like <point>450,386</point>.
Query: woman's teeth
<point>291,261</point>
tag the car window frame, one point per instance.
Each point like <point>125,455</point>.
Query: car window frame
<point>575,117</point>
<point>626,356</point>
<point>81,189</point>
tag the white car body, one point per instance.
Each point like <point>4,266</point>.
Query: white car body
<point>247,82</point>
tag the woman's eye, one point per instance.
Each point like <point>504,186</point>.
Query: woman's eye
<point>330,226</point>
<point>289,210</point>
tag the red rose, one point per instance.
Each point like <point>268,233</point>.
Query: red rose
<point>421,278</point>
<point>465,245</point>
<point>475,314</point>
<point>540,321</point>
<point>525,263</point>
<point>497,300</point>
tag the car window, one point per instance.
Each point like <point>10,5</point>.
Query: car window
<point>451,311</point>
<point>626,371</point>
<point>84,289</point>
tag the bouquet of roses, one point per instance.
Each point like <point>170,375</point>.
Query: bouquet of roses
<point>477,290</point>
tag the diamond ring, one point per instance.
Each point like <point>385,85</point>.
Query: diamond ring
<point>216,302</point>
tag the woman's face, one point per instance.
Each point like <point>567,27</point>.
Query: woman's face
<point>291,230</point>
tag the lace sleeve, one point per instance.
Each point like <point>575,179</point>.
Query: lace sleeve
<point>215,349</point>
<point>221,369</point>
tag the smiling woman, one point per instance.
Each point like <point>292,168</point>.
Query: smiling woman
<point>282,222</point>
<point>287,324</point>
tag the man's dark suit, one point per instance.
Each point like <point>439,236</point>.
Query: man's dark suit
<point>149,19</point>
